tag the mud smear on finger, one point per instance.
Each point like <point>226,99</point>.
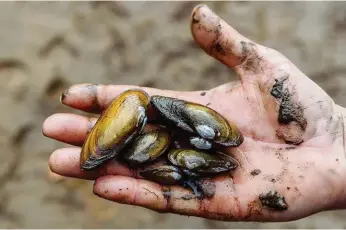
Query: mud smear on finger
<point>213,28</point>
<point>291,114</point>
<point>89,93</point>
<point>251,60</point>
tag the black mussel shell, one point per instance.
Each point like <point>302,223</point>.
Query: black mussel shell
<point>198,119</point>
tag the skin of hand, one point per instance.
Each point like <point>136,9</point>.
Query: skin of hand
<point>293,136</point>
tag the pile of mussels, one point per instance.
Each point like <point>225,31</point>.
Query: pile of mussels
<point>179,145</point>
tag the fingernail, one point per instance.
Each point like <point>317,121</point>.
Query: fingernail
<point>85,92</point>
<point>101,186</point>
<point>63,95</point>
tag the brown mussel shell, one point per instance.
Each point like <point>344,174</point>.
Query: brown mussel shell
<point>163,174</point>
<point>147,147</point>
<point>198,119</point>
<point>118,125</point>
<point>200,162</point>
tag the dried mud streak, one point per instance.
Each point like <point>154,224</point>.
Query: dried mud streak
<point>249,58</point>
<point>289,111</point>
<point>217,46</point>
<point>273,200</point>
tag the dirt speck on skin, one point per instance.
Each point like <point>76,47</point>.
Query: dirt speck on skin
<point>290,147</point>
<point>332,171</point>
<point>255,172</point>
<point>273,200</point>
<point>203,93</point>
<point>254,208</point>
<point>166,192</point>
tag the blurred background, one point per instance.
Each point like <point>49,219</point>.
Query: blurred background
<point>47,46</point>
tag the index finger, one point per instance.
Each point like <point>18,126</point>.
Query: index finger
<point>94,98</point>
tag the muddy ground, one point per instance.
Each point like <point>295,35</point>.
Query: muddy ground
<point>47,46</point>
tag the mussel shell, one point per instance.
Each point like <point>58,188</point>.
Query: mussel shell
<point>201,162</point>
<point>163,174</point>
<point>190,173</point>
<point>183,139</point>
<point>147,147</point>
<point>119,124</point>
<point>151,127</point>
<point>199,119</point>
<point>200,143</point>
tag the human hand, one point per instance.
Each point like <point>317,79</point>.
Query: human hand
<point>293,136</point>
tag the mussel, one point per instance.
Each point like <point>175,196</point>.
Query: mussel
<point>200,162</point>
<point>147,147</point>
<point>163,174</point>
<point>177,150</point>
<point>198,119</point>
<point>117,126</point>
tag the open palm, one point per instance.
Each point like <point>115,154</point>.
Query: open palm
<point>293,136</point>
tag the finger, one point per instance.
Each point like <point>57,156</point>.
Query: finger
<point>94,98</point>
<point>138,192</point>
<point>68,128</point>
<point>218,39</point>
<point>66,162</point>
<point>170,199</point>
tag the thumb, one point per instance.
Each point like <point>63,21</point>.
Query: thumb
<point>219,39</point>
